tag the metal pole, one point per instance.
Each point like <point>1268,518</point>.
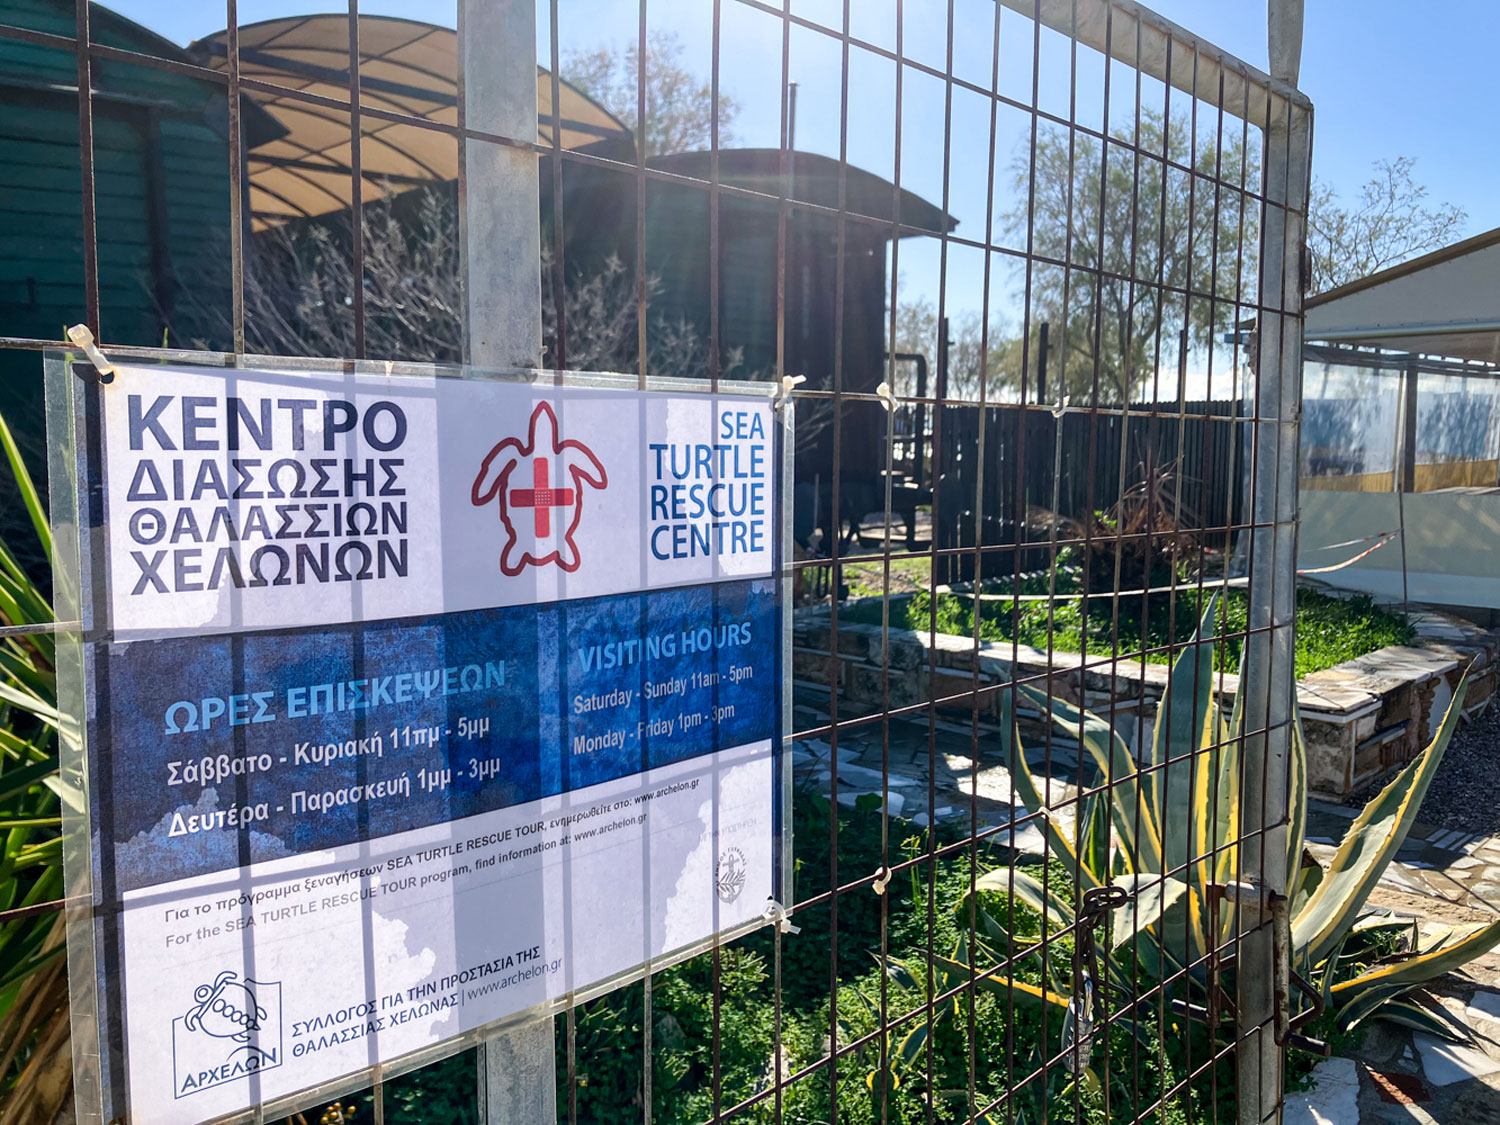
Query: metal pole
<point>1041,366</point>
<point>1269,683</point>
<point>1406,480</point>
<point>500,205</point>
<point>919,453</point>
<point>499,210</point>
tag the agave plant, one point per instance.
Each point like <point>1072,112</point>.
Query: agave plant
<point>35,1060</point>
<point>1167,835</point>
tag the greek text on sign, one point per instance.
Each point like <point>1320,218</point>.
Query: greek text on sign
<point>251,501</point>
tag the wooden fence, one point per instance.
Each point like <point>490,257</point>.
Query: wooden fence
<point>1082,462</point>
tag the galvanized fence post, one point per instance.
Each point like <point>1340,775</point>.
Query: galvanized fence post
<point>498,194</point>
<point>501,243</point>
<point>1269,681</point>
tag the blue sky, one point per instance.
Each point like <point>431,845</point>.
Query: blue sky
<point>1388,78</point>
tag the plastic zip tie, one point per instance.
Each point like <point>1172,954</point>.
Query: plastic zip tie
<point>83,338</point>
<point>784,390</point>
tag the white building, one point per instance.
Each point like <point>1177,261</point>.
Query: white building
<point>1401,429</point>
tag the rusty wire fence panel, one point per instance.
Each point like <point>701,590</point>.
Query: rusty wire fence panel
<point>1016,249</point>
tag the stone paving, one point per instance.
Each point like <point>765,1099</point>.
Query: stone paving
<point>1454,867</point>
<point>1397,1076</point>
<point>1439,877</point>
<point>1360,719</point>
<point>964,795</point>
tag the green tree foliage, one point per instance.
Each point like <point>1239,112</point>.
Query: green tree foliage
<point>679,104</point>
<point>1132,233</point>
<point>1132,247</point>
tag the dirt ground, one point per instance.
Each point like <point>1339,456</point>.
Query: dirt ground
<point>1465,794</point>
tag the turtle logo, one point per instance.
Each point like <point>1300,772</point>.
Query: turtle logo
<point>730,874</point>
<point>533,479</point>
<point>231,1030</point>
<point>225,1009</point>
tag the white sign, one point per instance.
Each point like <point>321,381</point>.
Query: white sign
<point>419,702</point>
<point>297,970</point>
<point>248,500</point>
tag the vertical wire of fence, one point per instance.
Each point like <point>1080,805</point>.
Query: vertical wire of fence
<point>992,805</point>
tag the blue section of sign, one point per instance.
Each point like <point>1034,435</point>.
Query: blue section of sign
<point>292,741</point>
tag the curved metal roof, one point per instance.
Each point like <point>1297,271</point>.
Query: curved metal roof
<point>816,181</point>
<point>406,67</point>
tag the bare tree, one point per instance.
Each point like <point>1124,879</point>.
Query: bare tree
<point>917,332</point>
<point>299,287</point>
<point>679,104</point>
<point>299,283</point>
<point>601,314</point>
<point>1390,222</point>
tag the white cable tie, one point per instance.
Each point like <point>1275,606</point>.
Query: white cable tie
<point>781,916</point>
<point>1062,406</point>
<point>83,338</point>
<point>888,397</point>
<point>882,880</point>
<point>784,391</point>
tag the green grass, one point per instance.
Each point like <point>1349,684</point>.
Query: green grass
<point>1329,630</point>
<point>974,1037</point>
<point>867,579</point>
<point>714,1020</point>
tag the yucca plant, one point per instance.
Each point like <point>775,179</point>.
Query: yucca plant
<point>1167,836</point>
<point>35,1059</point>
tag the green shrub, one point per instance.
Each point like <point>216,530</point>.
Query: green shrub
<point>1330,630</point>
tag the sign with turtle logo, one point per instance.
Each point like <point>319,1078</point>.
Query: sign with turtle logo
<point>399,671</point>
<point>232,1029</point>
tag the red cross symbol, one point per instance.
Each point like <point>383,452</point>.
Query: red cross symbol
<point>542,498</point>
<point>576,465</point>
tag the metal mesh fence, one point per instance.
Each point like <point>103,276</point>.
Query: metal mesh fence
<point>1037,263</point>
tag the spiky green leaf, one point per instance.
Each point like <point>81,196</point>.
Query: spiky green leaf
<point>27,487</point>
<point>1019,883</point>
<point>1433,1019</point>
<point>1024,783</point>
<point>1151,896</point>
<point>1361,997</point>
<point>1136,831</point>
<point>1296,800</point>
<point>1371,842</point>
<point>1184,727</point>
<point>1007,986</point>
